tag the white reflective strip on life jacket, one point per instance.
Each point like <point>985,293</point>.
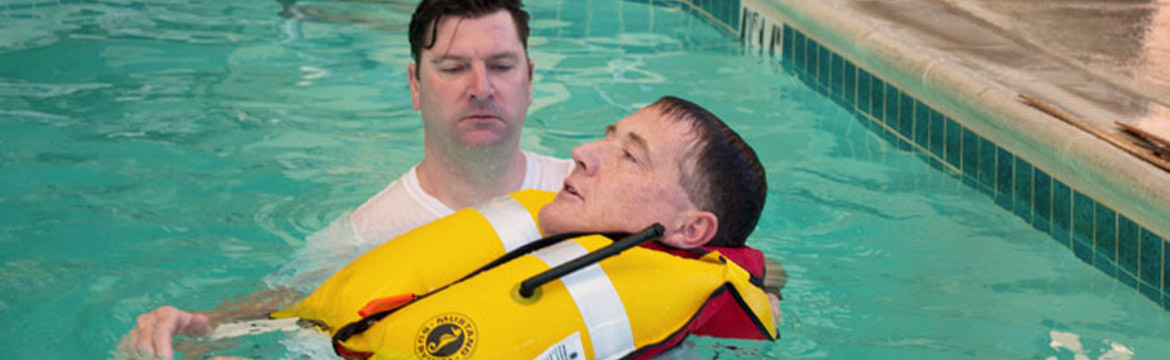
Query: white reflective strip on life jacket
<point>511,220</point>
<point>597,300</point>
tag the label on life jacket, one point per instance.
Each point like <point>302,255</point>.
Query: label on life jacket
<point>570,348</point>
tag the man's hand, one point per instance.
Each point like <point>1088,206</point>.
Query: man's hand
<point>153,337</point>
<point>776,314</point>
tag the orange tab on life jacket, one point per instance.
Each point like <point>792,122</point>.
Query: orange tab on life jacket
<point>385,304</point>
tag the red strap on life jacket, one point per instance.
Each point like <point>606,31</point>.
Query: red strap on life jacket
<point>385,304</point>
<point>349,354</point>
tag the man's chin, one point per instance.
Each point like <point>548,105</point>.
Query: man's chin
<point>554,218</point>
<point>482,139</point>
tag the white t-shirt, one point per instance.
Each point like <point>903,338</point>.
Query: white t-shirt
<point>398,208</point>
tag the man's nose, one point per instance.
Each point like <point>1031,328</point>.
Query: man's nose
<point>586,158</point>
<point>481,83</point>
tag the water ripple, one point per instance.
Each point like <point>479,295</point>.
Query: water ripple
<point>14,88</point>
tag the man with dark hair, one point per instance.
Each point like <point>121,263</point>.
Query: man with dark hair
<point>423,30</point>
<point>472,84</point>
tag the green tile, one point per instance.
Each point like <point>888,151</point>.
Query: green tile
<point>789,44</point>
<point>892,100</point>
<point>1083,251</point>
<point>903,145</point>
<point>715,8</point>
<point>934,163</point>
<point>906,115</point>
<point>721,11</point>
<point>970,154</point>
<point>811,53</point>
<point>824,62</point>
<point>733,13</point>
<point>892,138</point>
<point>726,13</point>
<point>864,82</point>
<point>1061,212</point>
<point>1083,218</point>
<point>1106,232</point>
<point>1150,261</point>
<point>1127,244</point>
<point>954,143</point>
<point>921,124</point>
<point>1103,263</point>
<point>877,97</point>
<point>1005,166</point>
<point>1127,279</point>
<point>938,127</point>
<point>876,127</point>
<point>849,86</point>
<point>987,151</point>
<point>1023,188</point>
<point>1042,201</point>
<point>798,51</point>
<point>836,76</point>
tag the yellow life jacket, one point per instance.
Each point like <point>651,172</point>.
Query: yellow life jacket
<point>424,259</point>
<point>622,306</point>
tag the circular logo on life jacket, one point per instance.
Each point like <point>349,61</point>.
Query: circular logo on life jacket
<point>449,336</point>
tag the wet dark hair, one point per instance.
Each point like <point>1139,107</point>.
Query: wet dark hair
<point>424,24</point>
<point>721,173</point>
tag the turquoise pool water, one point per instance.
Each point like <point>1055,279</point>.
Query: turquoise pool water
<point>176,152</point>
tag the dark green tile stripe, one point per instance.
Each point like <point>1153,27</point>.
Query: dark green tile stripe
<point>1042,205</point>
<point>1095,233</point>
<point>724,11</point>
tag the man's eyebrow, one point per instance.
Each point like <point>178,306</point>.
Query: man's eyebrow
<point>447,57</point>
<point>638,140</point>
<point>504,56</point>
<point>494,57</point>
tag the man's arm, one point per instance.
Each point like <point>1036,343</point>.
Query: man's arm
<point>153,336</point>
<point>774,280</point>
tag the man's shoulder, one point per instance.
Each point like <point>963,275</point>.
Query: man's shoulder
<point>394,192</point>
<point>399,207</point>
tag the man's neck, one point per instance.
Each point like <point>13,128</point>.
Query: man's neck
<point>468,177</point>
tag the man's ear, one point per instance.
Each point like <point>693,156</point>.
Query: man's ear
<point>412,73</point>
<point>697,229</point>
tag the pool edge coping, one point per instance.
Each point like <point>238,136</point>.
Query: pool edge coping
<point>1102,171</point>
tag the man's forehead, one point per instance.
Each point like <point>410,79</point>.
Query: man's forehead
<point>655,131</point>
<point>449,28</point>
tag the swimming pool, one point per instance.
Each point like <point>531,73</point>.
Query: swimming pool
<point>173,152</point>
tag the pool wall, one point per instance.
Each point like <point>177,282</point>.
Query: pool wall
<point>1109,208</point>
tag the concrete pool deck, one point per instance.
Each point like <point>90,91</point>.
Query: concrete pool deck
<point>1098,62</point>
